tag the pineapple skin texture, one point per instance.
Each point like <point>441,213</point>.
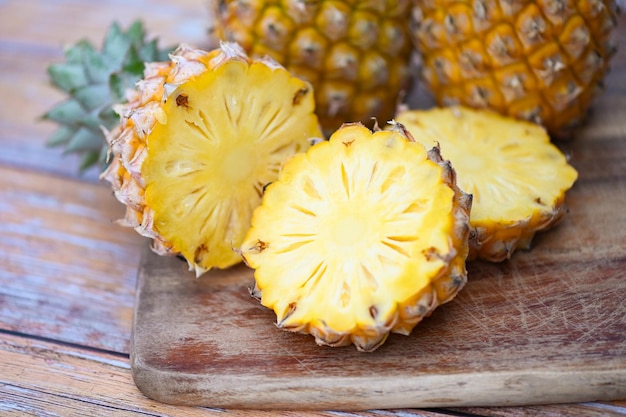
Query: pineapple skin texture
<point>139,172</point>
<point>517,177</point>
<point>353,295</point>
<point>542,61</point>
<point>355,53</point>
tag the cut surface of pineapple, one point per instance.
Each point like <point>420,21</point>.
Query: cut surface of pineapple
<point>517,177</point>
<point>205,134</point>
<point>361,236</point>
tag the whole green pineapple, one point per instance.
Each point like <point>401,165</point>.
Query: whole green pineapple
<point>96,80</point>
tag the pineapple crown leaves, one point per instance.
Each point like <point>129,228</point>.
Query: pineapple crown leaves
<point>94,81</point>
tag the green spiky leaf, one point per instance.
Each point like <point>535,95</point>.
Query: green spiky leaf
<point>69,112</point>
<point>67,76</point>
<point>116,43</point>
<point>83,140</point>
<point>133,63</point>
<point>118,85</point>
<point>89,159</point>
<point>94,80</point>
<point>61,136</point>
<point>91,97</point>
<point>150,52</point>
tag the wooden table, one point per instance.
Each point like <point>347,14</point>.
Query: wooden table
<point>67,274</point>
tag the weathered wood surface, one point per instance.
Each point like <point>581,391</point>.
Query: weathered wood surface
<point>67,274</point>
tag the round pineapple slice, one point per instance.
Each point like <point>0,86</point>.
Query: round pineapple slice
<point>517,178</point>
<point>363,235</point>
<point>198,141</point>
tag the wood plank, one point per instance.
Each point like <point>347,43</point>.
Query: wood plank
<point>44,379</point>
<point>56,24</point>
<point>557,410</point>
<point>543,311</point>
<point>68,272</point>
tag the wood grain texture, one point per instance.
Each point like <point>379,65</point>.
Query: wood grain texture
<point>43,378</point>
<point>557,410</point>
<point>68,271</point>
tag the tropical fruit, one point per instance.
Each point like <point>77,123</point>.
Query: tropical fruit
<point>94,81</point>
<point>363,235</point>
<point>542,61</point>
<point>517,177</point>
<point>355,53</point>
<point>198,141</point>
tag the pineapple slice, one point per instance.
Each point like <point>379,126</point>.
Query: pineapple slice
<point>363,235</point>
<point>198,141</point>
<point>518,179</point>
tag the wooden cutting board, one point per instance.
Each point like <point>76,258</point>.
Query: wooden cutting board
<point>548,326</point>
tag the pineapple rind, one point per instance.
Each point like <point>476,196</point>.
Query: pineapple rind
<point>348,249</point>
<point>169,150</point>
<point>356,54</point>
<point>517,177</point>
<point>539,61</point>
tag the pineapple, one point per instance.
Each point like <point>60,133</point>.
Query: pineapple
<point>363,235</point>
<point>355,53</point>
<point>199,139</point>
<point>517,177</point>
<point>542,61</point>
<point>96,81</point>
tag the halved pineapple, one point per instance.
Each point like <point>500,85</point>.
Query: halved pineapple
<point>517,177</point>
<point>198,141</point>
<point>363,235</point>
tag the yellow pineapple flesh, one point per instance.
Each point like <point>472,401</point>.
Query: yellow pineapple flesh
<point>355,53</point>
<point>199,139</point>
<point>517,177</point>
<point>363,235</point>
<point>542,61</point>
